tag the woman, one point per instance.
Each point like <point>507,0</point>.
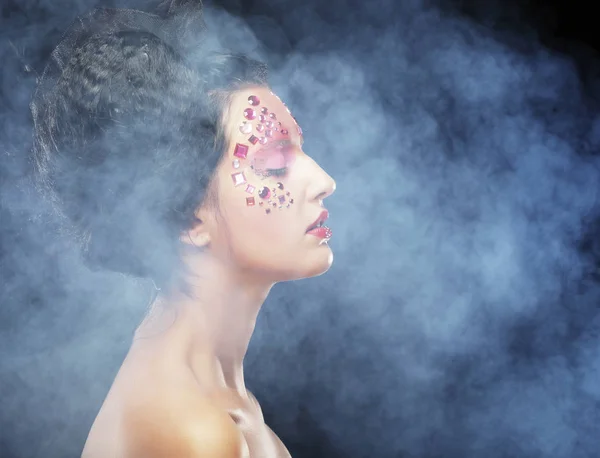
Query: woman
<point>171,163</point>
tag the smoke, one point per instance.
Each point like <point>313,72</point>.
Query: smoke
<point>459,317</point>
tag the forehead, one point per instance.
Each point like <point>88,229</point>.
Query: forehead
<point>262,97</point>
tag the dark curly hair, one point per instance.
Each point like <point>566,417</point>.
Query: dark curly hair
<point>127,135</point>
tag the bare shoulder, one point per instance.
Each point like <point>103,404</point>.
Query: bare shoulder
<point>182,424</point>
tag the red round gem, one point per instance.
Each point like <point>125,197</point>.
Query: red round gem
<point>253,100</point>
<point>264,193</point>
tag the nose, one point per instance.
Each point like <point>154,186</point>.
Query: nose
<point>321,183</point>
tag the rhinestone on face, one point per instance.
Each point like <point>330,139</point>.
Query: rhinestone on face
<point>260,203</point>
<point>240,150</point>
<point>291,201</point>
<point>263,140</point>
<point>260,128</point>
<point>246,127</point>
<point>269,124</point>
<point>264,110</point>
<point>267,211</point>
<point>250,201</point>
<point>236,164</point>
<point>272,116</point>
<point>249,113</point>
<point>253,139</point>
<point>281,199</point>
<point>262,118</point>
<point>284,131</point>
<point>269,133</point>
<point>287,193</point>
<point>264,193</point>
<point>238,178</point>
<point>274,204</point>
<point>280,185</point>
<point>250,189</point>
<point>253,100</point>
<point>300,130</point>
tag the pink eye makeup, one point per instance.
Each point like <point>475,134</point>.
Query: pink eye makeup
<point>273,160</point>
<point>269,152</point>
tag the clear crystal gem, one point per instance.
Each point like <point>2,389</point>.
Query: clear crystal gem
<point>246,127</point>
<point>238,178</point>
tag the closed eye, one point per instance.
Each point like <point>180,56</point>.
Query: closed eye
<point>277,172</point>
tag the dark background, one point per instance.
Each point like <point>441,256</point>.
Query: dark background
<point>48,402</point>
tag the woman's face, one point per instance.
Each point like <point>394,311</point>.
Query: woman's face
<point>270,192</point>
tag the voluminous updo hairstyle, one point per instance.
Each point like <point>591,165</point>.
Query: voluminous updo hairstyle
<point>127,133</point>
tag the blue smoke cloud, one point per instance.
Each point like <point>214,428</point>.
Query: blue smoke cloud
<point>458,319</point>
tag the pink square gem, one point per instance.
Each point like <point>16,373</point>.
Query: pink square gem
<point>253,139</point>
<point>238,178</point>
<point>240,150</point>
<point>250,189</point>
<point>250,201</point>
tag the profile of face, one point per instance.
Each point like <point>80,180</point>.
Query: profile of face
<point>270,194</point>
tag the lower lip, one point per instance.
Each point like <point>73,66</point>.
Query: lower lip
<point>322,232</point>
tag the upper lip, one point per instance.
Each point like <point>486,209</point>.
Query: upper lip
<point>321,219</point>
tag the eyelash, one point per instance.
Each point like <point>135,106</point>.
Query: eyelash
<point>277,172</point>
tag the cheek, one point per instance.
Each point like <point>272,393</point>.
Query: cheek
<point>253,213</point>
<point>252,193</point>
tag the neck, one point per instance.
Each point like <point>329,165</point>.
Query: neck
<point>216,320</point>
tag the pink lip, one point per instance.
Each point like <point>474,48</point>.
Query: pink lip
<point>323,232</point>
<point>322,218</point>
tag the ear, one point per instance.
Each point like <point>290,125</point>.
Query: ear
<point>199,234</point>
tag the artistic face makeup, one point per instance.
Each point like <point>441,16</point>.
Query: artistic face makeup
<point>273,160</point>
<point>269,150</point>
<point>270,193</point>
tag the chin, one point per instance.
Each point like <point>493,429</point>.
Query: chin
<point>317,265</point>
